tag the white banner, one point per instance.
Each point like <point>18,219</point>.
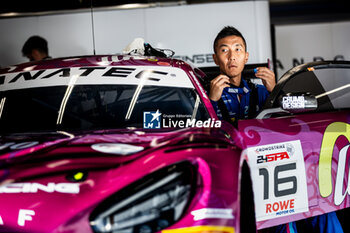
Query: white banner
<point>112,75</point>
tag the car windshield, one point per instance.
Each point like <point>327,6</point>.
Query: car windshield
<point>87,107</point>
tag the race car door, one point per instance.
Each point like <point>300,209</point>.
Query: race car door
<point>298,160</point>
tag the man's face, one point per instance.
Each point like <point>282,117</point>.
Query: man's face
<point>231,56</point>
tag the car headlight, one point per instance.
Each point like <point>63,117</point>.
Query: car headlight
<point>151,204</point>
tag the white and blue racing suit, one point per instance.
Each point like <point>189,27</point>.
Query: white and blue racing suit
<point>237,100</point>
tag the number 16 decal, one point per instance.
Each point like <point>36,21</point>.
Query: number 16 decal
<point>279,181</point>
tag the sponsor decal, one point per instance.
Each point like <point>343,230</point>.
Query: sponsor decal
<point>123,75</point>
<point>204,94</point>
<point>233,90</point>
<point>329,147</point>
<point>17,146</point>
<point>201,229</point>
<point>280,207</point>
<point>293,102</point>
<point>206,213</point>
<point>70,188</point>
<point>157,120</point>
<point>270,148</point>
<point>279,181</point>
<point>23,216</point>
<point>272,157</point>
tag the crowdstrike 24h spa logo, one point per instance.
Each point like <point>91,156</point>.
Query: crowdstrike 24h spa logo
<point>151,120</point>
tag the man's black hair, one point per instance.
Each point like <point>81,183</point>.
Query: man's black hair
<point>228,31</point>
<point>35,42</point>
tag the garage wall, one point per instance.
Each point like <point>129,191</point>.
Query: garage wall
<point>302,43</point>
<point>189,30</point>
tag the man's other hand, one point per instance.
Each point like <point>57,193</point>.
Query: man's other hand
<point>267,76</point>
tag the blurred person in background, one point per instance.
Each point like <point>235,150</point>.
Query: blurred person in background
<point>35,49</point>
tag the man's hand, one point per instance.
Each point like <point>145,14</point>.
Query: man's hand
<point>267,76</point>
<point>217,85</point>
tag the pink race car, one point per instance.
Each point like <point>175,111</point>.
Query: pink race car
<point>132,144</point>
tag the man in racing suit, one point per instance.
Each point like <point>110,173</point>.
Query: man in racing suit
<point>232,97</point>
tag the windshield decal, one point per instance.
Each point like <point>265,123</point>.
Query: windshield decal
<point>144,75</point>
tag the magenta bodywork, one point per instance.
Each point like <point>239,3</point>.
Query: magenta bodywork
<point>38,196</point>
<point>65,212</point>
<point>37,193</point>
<point>315,132</point>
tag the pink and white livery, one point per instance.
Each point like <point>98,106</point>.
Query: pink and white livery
<point>132,144</point>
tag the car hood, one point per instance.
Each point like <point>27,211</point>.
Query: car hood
<point>62,151</point>
<point>38,171</point>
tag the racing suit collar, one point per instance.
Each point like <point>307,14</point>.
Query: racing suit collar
<point>243,89</point>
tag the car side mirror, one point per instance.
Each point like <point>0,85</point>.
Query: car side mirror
<point>298,102</point>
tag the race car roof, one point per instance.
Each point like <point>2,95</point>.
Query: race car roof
<point>92,70</point>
